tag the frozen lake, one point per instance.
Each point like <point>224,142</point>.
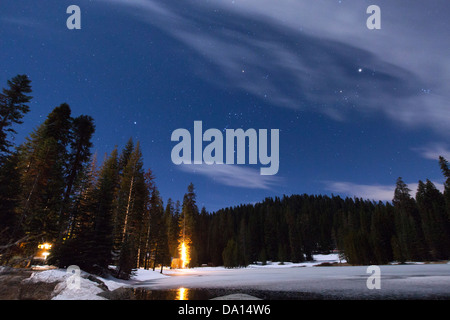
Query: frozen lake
<point>417,281</point>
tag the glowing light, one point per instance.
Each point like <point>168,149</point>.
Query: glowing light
<point>45,246</point>
<point>182,294</point>
<point>184,253</point>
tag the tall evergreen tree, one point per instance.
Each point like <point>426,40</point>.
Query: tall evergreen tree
<point>187,222</point>
<point>125,190</point>
<point>408,241</point>
<point>295,243</point>
<point>201,236</point>
<point>13,106</point>
<point>125,155</point>
<point>435,224</point>
<point>381,233</point>
<point>42,165</point>
<point>172,228</point>
<point>446,171</point>
<point>81,207</point>
<point>144,243</point>
<point>131,206</point>
<point>10,229</point>
<point>231,254</point>
<point>81,131</point>
<point>158,230</point>
<point>99,248</point>
<point>89,241</point>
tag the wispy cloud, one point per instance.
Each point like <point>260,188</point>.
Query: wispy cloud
<point>301,55</point>
<point>371,192</point>
<point>434,150</point>
<point>233,175</point>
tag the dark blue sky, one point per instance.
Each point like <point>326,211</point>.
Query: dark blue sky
<point>356,108</point>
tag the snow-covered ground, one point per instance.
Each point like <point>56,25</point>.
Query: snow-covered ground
<point>397,281</point>
<point>65,290</point>
<point>89,290</point>
<point>415,281</point>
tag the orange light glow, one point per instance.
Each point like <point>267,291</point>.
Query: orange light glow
<point>182,294</point>
<point>44,250</point>
<point>45,246</point>
<point>184,253</point>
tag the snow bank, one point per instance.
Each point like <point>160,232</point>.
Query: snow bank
<point>87,289</point>
<point>54,275</point>
<point>332,257</point>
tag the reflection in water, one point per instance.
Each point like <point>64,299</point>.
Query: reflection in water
<point>174,294</point>
<point>182,294</point>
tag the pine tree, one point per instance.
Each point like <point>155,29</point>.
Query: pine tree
<point>408,233</point>
<point>158,230</point>
<point>144,243</point>
<point>131,206</point>
<point>42,166</point>
<point>10,229</point>
<point>435,224</point>
<point>172,228</point>
<point>256,240</point>
<point>230,254</point>
<point>124,193</point>
<point>294,237</point>
<point>381,232</point>
<point>81,133</point>
<point>125,155</point>
<point>82,203</point>
<point>13,107</point>
<point>446,171</point>
<point>88,243</point>
<point>99,247</point>
<point>187,220</point>
<point>270,234</point>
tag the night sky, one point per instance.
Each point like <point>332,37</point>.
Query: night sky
<point>356,108</point>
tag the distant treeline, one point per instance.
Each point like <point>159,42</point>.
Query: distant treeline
<point>52,190</point>
<point>293,228</point>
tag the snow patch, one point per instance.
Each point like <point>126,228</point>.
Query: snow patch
<point>87,290</point>
<point>236,296</point>
<point>144,275</point>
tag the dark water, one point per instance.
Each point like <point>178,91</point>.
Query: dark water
<point>172,294</point>
<point>206,294</point>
